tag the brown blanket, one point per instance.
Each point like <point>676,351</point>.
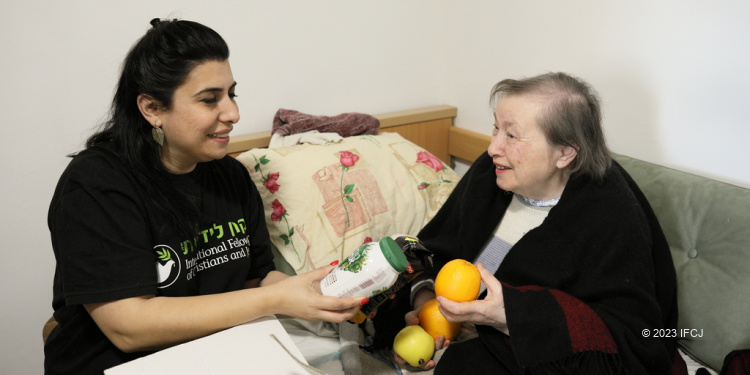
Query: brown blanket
<point>287,121</point>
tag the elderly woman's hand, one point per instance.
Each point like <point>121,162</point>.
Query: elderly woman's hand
<point>412,318</point>
<point>490,311</point>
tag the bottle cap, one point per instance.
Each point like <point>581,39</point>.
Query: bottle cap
<point>393,254</point>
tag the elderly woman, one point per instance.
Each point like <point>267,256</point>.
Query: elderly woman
<point>159,236</point>
<point>574,261</point>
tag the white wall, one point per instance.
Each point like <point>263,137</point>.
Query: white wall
<point>671,74</point>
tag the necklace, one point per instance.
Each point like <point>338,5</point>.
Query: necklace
<point>544,203</point>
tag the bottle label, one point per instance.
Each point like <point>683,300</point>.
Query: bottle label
<point>355,261</point>
<point>365,272</point>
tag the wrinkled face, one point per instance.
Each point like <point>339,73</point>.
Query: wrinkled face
<point>525,163</point>
<point>196,127</point>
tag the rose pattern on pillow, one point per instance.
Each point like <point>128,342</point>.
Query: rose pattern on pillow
<point>430,159</point>
<point>324,201</point>
<point>278,211</point>
<point>271,182</point>
<point>351,194</point>
<point>433,162</point>
<point>347,161</point>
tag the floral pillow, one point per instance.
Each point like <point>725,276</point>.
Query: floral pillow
<point>323,201</point>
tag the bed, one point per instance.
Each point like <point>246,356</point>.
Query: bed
<point>313,220</point>
<point>320,206</point>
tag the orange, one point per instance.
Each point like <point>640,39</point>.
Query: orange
<point>459,281</point>
<point>433,321</point>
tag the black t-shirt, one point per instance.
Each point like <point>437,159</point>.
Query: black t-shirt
<point>111,243</point>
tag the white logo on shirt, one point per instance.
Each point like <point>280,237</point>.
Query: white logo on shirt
<point>168,265</point>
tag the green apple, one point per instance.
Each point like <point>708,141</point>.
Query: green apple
<point>414,345</point>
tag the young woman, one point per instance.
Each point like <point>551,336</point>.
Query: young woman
<point>159,236</point>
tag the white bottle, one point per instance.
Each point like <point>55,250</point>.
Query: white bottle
<point>369,270</point>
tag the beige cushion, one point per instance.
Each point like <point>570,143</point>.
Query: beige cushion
<point>323,201</point>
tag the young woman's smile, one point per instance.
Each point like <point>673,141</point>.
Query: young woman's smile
<point>196,127</point>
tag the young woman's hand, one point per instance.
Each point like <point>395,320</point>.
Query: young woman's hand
<point>151,323</point>
<point>299,296</point>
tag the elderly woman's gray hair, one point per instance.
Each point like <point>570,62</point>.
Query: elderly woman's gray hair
<point>570,117</point>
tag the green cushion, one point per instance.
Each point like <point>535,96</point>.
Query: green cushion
<point>707,225</point>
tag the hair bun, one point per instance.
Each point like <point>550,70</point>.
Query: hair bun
<point>155,22</point>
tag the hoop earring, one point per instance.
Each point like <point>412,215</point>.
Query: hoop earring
<point>158,135</point>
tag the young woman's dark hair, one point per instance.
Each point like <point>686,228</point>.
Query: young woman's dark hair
<point>156,66</point>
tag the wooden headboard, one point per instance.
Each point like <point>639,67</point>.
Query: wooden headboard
<point>429,127</point>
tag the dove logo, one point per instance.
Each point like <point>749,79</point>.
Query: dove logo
<point>168,265</point>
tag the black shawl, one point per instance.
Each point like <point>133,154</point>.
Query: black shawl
<point>585,289</point>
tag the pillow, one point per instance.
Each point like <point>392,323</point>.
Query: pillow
<point>323,201</point>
